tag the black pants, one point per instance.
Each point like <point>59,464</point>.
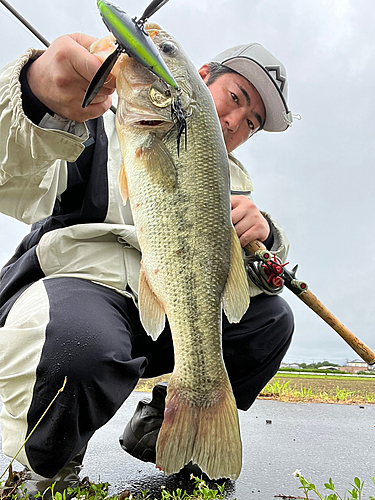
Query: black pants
<point>93,335</point>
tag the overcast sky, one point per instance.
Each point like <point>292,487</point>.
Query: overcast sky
<point>317,178</point>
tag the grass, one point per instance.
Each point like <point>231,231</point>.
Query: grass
<point>353,493</point>
<point>201,491</point>
<point>146,384</point>
<point>349,390</point>
<point>283,391</point>
<point>324,376</point>
<point>306,388</point>
<point>91,491</point>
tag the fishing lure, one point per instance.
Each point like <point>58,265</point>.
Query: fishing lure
<point>132,38</point>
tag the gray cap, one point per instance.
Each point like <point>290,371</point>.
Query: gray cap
<point>268,75</point>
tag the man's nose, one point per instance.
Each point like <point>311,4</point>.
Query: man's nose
<point>233,120</point>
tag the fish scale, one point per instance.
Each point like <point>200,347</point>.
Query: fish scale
<point>191,257</point>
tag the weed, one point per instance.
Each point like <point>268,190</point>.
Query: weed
<point>305,392</point>
<point>9,467</point>
<point>287,391</point>
<point>324,396</point>
<point>277,387</point>
<point>343,395</point>
<point>354,493</point>
<point>100,492</point>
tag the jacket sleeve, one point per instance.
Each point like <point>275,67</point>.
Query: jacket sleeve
<point>33,157</point>
<point>241,184</point>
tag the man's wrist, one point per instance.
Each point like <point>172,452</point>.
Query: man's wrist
<point>33,108</point>
<point>268,243</point>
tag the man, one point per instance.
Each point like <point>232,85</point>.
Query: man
<point>68,295</point>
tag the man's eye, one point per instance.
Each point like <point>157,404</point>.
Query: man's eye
<point>234,97</point>
<point>250,124</point>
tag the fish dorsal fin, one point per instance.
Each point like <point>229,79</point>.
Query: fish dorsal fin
<point>123,183</point>
<point>236,297</point>
<point>151,310</point>
<point>155,155</point>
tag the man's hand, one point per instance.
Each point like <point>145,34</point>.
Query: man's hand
<point>248,222</point>
<point>60,76</point>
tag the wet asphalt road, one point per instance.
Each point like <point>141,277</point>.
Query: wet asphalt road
<point>322,440</point>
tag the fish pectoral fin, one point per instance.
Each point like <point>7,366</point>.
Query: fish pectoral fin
<point>123,183</point>
<point>236,297</point>
<point>151,310</point>
<point>161,168</point>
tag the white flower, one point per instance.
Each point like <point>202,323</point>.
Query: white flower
<point>297,473</point>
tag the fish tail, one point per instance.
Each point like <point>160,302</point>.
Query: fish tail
<point>208,436</point>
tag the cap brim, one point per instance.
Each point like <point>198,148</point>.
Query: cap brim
<point>277,113</point>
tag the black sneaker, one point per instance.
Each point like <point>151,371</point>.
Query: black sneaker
<point>141,432</point>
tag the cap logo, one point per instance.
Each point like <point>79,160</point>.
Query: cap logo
<point>275,72</point>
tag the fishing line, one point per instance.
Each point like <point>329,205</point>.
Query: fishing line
<point>15,23</point>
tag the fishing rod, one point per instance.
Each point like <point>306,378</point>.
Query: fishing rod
<point>25,23</point>
<point>267,272</point>
<point>33,30</point>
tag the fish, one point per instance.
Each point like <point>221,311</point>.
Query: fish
<point>192,266</point>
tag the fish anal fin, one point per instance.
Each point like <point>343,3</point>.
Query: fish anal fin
<point>236,297</point>
<point>208,436</point>
<point>123,183</point>
<point>151,310</point>
<point>160,165</point>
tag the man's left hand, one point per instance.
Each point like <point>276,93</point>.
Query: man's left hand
<point>248,222</point>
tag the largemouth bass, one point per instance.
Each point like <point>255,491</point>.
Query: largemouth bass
<point>191,256</point>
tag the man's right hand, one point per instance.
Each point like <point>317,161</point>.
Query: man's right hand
<point>60,76</point>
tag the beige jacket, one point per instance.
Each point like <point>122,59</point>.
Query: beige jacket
<point>34,173</point>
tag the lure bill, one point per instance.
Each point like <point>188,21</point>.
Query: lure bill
<point>131,38</point>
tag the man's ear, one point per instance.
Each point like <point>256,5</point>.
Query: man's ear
<point>204,71</point>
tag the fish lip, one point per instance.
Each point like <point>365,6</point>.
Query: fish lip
<point>150,123</point>
<point>142,117</point>
<point>146,120</point>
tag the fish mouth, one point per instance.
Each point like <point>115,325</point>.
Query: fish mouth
<point>150,123</point>
<point>140,116</point>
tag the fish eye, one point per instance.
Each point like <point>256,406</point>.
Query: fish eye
<point>169,49</point>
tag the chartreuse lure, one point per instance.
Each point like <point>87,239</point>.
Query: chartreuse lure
<point>132,38</point>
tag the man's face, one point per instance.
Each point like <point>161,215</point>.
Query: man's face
<point>239,106</point>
